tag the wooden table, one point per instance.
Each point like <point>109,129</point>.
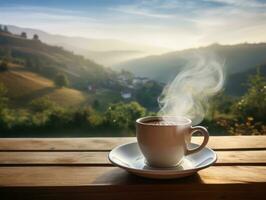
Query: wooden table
<point>79,169</point>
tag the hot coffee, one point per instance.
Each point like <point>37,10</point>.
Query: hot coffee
<point>161,122</point>
<point>166,121</point>
<point>164,140</point>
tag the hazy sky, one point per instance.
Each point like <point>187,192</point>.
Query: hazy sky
<point>174,24</point>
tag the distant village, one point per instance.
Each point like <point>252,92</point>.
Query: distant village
<point>128,82</point>
<point>135,83</point>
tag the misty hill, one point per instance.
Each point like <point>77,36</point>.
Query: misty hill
<point>49,60</point>
<point>115,51</point>
<point>110,58</point>
<point>33,66</point>
<point>24,86</point>
<point>238,58</point>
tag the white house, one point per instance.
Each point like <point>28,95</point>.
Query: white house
<point>126,95</point>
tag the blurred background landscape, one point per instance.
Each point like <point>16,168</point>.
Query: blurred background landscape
<point>57,80</point>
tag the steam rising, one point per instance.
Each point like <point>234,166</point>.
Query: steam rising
<point>188,94</point>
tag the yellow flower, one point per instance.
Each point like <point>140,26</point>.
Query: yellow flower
<point>250,118</point>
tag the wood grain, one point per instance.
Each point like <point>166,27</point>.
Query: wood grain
<point>209,192</point>
<point>241,157</point>
<point>106,144</point>
<point>112,176</point>
<point>100,158</point>
<point>56,158</point>
<point>79,169</point>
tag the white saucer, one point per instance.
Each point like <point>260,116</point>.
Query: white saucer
<point>130,158</point>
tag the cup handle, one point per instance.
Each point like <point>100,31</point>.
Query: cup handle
<point>205,134</point>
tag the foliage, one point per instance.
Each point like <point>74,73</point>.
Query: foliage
<point>128,76</point>
<point>44,115</point>
<point>96,104</point>
<point>3,97</point>
<point>4,65</point>
<point>123,115</point>
<point>245,127</point>
<point>148,93</point>
<point>61,80</point>
<point>248,111</point>
<point>59,118</point>
<point>81,116</point>
<point>88,117</point>
<point>23,35</point>
<point>221,104</point>
<point>48,60</point>
<point>35,37</point>
<point>253,103</point>
<point>95,120</point>
<point>40,66</point>
<point>235,116</point>
<point>42,104</point>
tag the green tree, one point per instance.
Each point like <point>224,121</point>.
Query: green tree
<point>148,93</point>
<point>95,120</point>
<point>4,111</point>
<point>35,37</point>
<point>23,35</point>
<point>61,80</point>
<point>60,118</point>
<point>253,103</point>
<point>3,96</point>
<point>42,104</point>
<point>81,116</point>
<point>123,115</point>
<point>96,104</point>
<point>220,104</point>
<point>4,65</point>
<point>127,75</point>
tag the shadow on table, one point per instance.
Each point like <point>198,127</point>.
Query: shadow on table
<point>121,177</point>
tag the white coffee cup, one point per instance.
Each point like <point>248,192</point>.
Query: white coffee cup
<point>164,140</point>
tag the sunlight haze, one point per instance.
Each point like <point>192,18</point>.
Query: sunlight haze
<point>169,24</point>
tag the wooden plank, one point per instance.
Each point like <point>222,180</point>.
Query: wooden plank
<point>106,144</point>
<point>209,192</point>
<point>113,176</point>
<point>241,157</point>
<point>56,158</point>
<point>100,158</point>
<point>54,144</point>
<point>62,144</point>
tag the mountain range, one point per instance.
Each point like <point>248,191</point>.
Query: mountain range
<point>107,52</point>
<point>33,66</point>
<point>237,58</point>
<point>240,60</point>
